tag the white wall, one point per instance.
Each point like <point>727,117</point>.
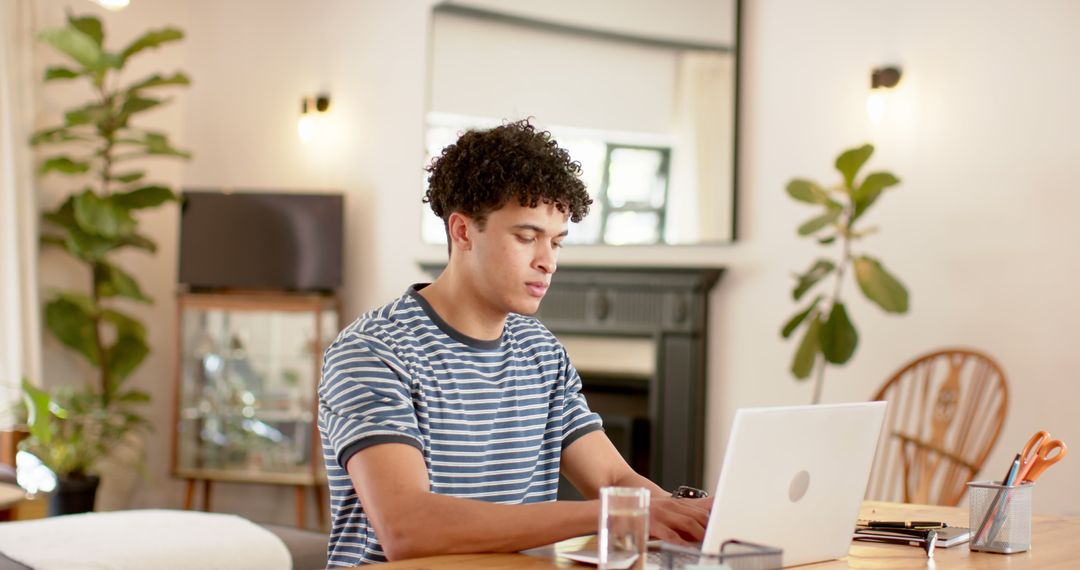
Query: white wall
<point>251,62</point>
<point>979,229</point>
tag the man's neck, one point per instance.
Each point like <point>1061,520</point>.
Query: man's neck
<point>458,304</point>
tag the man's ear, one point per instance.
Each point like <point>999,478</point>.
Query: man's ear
<point>459,228</point>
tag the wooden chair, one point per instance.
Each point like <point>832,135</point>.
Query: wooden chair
<point>946,410</point>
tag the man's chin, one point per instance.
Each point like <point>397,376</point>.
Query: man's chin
<point>528,308</point>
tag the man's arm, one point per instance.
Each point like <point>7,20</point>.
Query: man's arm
<point>392,482</point>
<point>592,462</point>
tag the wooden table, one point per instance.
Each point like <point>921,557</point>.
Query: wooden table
<point>1055,543</point>
<point>10,497</point>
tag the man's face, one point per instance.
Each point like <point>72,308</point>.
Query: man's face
<point>513,258</point>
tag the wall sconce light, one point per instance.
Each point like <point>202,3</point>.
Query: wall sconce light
<point>887,77</point>
<point>882,81</point>
<point>113,5</point>
<point>311,109</point>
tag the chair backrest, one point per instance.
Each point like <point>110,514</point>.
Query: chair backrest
<point>946,410</point>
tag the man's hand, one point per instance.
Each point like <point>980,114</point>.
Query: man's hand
<point>681,521</point>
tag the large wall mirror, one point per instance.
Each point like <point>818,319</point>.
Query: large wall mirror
<point>641,92</point>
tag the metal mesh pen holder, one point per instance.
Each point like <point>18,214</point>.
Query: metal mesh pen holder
<point>999,516</point>
<point>734,555</point>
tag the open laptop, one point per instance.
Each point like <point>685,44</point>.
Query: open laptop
<point>794,478</point>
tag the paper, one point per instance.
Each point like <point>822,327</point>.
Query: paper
<point>592,556</point>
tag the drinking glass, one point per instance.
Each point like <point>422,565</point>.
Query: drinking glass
<point>624,527</point>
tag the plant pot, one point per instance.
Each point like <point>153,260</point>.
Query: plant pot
<point>73,495</point>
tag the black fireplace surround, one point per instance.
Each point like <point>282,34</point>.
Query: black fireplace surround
<point>666,305</point>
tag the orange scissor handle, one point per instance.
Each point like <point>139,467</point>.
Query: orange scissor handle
<point>1031,448</point>
<point>1045,457</point>
<point>1030,454</point>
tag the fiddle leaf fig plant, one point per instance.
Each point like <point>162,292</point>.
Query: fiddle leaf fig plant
<point>99,144</point>
<point>829,337</point>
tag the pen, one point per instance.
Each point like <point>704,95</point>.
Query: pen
<point>926,539</point>
<point>982,536</point>
<point>902,524</point>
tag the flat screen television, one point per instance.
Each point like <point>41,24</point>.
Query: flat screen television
<point>260,241</point>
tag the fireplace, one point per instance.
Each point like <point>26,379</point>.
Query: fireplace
<point>638,337</point>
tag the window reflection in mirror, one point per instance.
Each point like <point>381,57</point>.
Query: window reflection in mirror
<point>640,92</point>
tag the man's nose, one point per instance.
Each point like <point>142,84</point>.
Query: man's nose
<point>545,259</point>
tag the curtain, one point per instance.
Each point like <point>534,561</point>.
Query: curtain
<point>20,335</point>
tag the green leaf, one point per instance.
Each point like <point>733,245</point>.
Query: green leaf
<point>101,217</point>
<point>826,240</point>
<point>80,300</point>
<point>838,336</point>
<point>124,356</point>
<point>57,72</point>
<point>134,396</point>
<point>88,247</point>
<point>91,114</point>
<point>806,355</point>
<point>90,26</point>
<point>64,215</point>
<point>111,281</point>
<point>135,104</point>
<point>128,177</point>
<point>798,319</point>
<point>114,60</point>
<point>870,189</point>
<point>75,44</point>
<point>145,197</point>
<point>807,191</point>
<point>850,161</point>
<point>153,38</point>
<point>63,165</point>
<point>880,286</point>
<point>819,270</point>
<point>54,135</point>
<point>124,324</point>
<point>817,223</point>
<point>129,350</point>
<point>37,408</point>
<point>155,80</point>
<point>73,326</point>
<point>140,242</point>
<point>157,143</point>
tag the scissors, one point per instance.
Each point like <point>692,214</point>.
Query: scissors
<point>1038,455</point>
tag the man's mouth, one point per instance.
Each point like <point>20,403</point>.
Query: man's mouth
<point>536,288</point>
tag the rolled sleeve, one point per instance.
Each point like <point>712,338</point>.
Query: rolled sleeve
<point>578,419</point>
<point>365,399</point>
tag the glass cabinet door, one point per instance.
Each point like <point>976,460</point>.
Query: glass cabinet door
<point>248,380</point>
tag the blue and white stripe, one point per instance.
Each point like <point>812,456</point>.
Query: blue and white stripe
<point>490,417</point>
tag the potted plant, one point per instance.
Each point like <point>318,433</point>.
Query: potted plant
<point>97,143</point>
<point>829,336</point>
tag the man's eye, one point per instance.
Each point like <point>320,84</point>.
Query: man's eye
<point>525,239</point>
<point>557,244</point>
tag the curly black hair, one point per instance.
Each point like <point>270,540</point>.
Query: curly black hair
<point>484,170</point>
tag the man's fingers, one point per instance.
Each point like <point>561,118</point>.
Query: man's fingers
<point>685,520</point>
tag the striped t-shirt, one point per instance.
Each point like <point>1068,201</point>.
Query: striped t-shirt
<point>490,417</point>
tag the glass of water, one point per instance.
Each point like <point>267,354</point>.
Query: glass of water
<point>624,527</point>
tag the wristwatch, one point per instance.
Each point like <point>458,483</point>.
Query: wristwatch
<point>688,492</point>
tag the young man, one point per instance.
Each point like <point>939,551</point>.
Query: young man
<point>446,415</point>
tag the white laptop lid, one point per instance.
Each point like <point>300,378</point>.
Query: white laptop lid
<point>794,478</point>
